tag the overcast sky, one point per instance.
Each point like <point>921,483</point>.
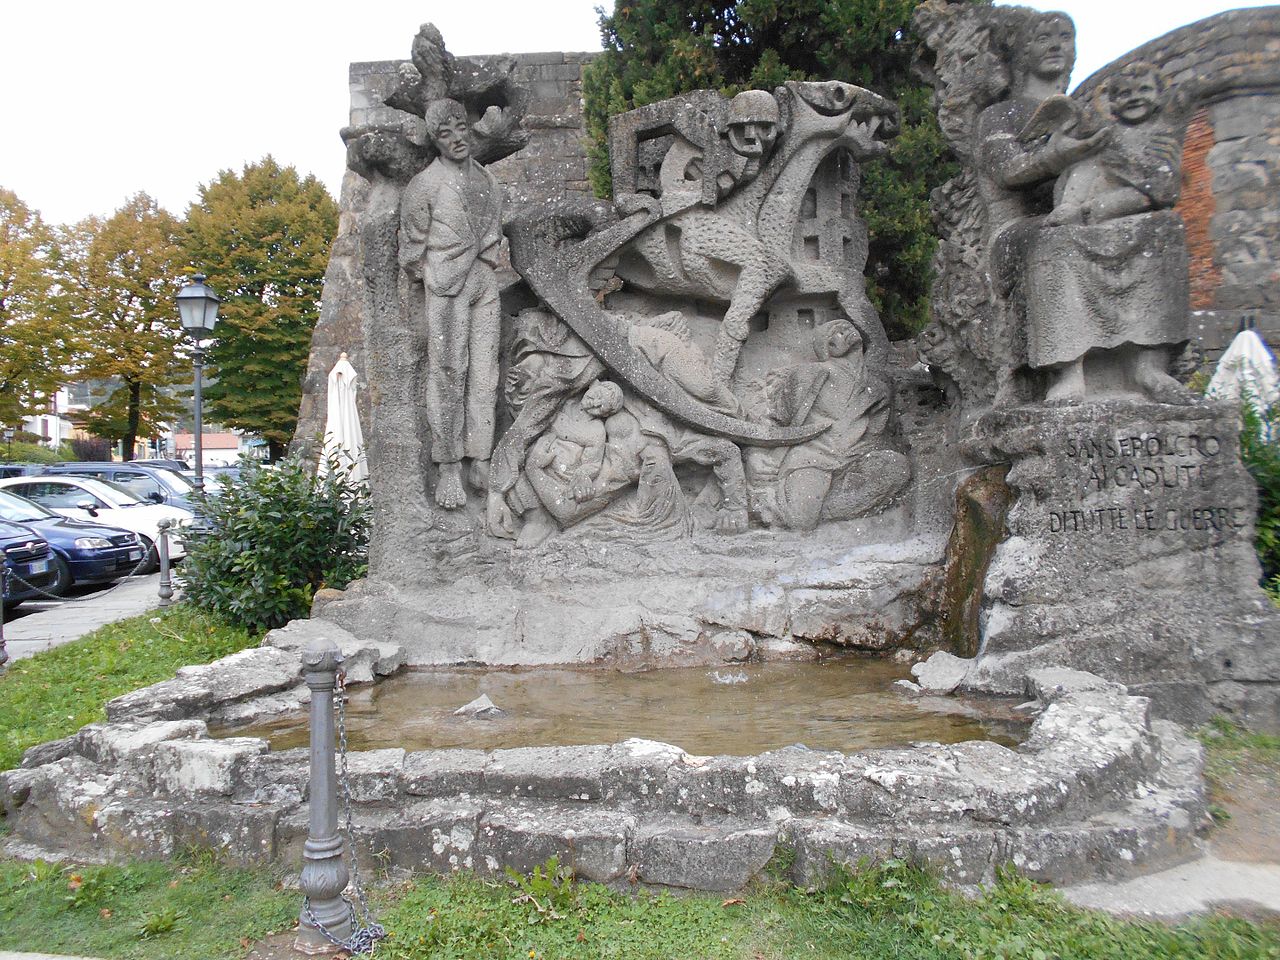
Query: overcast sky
<point>99,100</point>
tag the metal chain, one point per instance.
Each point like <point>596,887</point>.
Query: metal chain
<point>365,930</point>
<point>146,558</point>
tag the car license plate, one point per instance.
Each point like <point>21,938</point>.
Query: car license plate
<point>135,554</point>
<point>40,566</point>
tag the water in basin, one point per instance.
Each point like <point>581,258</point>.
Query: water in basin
<point>844,703</point>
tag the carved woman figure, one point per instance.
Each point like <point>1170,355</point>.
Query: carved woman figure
<point>1107,278</point>
<point>1015,177</point>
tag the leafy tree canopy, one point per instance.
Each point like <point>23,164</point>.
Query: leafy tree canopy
<point>262,236</point>
<point>654,49</point>
<point>122,274</point>
<point>34,322</point>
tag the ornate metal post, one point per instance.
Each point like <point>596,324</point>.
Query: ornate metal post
<point>4,589</point>
<point>162,545</point>
<point>198,355</point>
<point>324,871</point>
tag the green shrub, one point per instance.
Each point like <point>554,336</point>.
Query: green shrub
<point>23,451</point>
<point>270,539</point>
<point>1260,451</point>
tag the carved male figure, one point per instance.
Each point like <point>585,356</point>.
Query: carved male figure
<point>845,471</point>
<point>450,229</point>
<point>1108,276</point>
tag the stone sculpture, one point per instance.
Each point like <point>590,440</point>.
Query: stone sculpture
<point>1108,272</point>
<point>1028,280</point>
<point>746,202</point>
<point>450,219</point>
<point>844,471</point>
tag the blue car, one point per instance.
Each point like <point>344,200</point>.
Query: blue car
<point>28,563</point>
<point>82,551</point>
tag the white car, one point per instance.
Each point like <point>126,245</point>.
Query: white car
<point>84,498</point>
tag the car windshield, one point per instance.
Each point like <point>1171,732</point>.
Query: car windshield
<point>113,493</point>
<point>175,482</point>
<point>18,509</point>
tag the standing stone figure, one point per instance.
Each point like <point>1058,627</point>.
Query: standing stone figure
<point>450,229</point>
<point>1014,175</point>
<point>1107,276</point>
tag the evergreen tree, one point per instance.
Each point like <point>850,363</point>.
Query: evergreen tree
<point>122,275</point>
<point>34,323</point>
<point>262,237</point>
<point>654,49</point>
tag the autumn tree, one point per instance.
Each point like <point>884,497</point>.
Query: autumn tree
<point>654,49</point>
<point>34,324</point>
<point>122,274</point>
<point>262,236</point>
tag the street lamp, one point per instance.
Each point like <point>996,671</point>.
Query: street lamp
<point>198,307</point>
<point>8,439</point>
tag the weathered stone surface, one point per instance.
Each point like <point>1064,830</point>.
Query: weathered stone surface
<point>113,743</point>
<point>43,753</point>
<point>1131,556</point>
<point>444,773</point>
<point>363,660</point>
<point>139,828</point>
<point>242,835</point>
<point>592,842</point>
<point>249,673</point>
<point>278,777</point>
<point>195,768</point>
<point>724,857</point>
<point>376,775</point>
<point>15,787</point>
<point>425,835</point>
<point>941,673</point>
<point>569,773</point>
<point>481,708</point>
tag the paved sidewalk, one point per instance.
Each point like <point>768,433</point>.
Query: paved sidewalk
<point>1191,888</point>
<point>38,626</point>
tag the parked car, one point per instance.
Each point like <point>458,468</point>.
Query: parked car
<point>158,484</point>
<point>21,469</point>
<point>85,498</point>
<point>83,551</point>
<point>177,466</point>
<point>28,560</point>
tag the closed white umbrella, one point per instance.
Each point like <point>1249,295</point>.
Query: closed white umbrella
<point>1247,370</point>
<point>343,438</point>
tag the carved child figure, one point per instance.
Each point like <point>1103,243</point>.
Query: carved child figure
<point>450,229</point>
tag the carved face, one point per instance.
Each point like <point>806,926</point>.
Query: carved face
<point>452,140</point>
<point>841,338</point>
<point>602,400</point>
<point>1134,96</point>
<point>753,124</point>
<point>1052,49</point>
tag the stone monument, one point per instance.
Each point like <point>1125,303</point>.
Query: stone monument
<point>1061,299</point>
<point>669,428</point>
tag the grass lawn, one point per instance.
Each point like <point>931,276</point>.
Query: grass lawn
<point>56,692</point>
<point>198,910</point>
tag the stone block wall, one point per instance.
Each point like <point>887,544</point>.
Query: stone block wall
<point>1229,67</point>
<point>554,164</point>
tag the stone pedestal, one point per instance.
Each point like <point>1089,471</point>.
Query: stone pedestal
<point>1129,553</point>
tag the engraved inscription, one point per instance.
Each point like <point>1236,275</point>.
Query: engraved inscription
<point>1141,466</point>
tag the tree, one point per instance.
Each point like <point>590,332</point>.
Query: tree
<point>122,275</point>
<point>34,323</point>
<point>263,238</point>
<point>654,49</point>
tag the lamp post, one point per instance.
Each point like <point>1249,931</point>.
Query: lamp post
<point>8,439</point>
<point>198,307</point>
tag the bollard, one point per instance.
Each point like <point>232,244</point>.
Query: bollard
<point>162,545</point>
<point>324,871</point>
<point>4,589</point>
